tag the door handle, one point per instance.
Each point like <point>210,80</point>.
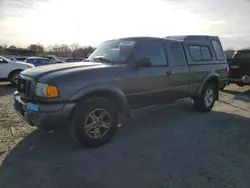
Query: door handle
<point>168,73</point>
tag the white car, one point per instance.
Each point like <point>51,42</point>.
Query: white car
<point>10,70</point>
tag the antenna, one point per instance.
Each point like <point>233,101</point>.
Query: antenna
<point>78,31</point>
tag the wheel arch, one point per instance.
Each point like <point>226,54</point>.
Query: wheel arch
<point>113,94</point>
<point>15,70</point>
<point>211,78</point>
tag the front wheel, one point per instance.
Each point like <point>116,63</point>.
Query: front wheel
<point>95,121</point>
<point>206,100</point>
<point>13,78</point>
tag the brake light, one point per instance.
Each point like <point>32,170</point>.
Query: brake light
<point>227,72</point>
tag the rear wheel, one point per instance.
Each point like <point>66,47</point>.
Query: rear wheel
<point>223,87</point>
<point>95,121</point>
<point>13,78</point>
<point>206,100</point>
<point>240,84</point>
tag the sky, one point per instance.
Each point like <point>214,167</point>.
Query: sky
<point>90,22</point>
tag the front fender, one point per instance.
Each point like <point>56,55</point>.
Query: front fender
<point>117,95</point>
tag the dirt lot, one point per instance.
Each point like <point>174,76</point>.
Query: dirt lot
<point>170,147</point>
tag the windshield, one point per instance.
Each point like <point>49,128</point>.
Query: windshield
<point>115,51</point>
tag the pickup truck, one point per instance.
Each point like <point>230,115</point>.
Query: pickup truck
<point>121,75</point>
<point>10,70</point>
<point>239,68</point>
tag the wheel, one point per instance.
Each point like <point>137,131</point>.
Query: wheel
<point>13,78</point>
<point>240,84</point>
<point>223,87</point>
<point>206,100</point>
<point>95,121</point>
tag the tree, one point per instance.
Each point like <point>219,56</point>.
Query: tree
<point>12,47</point>
<point>36,47</point>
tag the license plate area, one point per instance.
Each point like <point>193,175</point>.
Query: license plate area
<point>32,107</point>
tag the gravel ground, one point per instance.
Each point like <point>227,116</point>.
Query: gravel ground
<point>169,147</point>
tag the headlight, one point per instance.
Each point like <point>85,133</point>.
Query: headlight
<point>45,90</point>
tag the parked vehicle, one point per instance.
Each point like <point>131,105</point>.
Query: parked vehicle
<point>121,75</point>
<point>22,59</point>
<point>74,60</point>
<point>10,70</point>
<point>53,58</point>
<point>239,68</point>
<point>39,61</point>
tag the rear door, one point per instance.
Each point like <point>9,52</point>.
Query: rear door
<point>179,69</point>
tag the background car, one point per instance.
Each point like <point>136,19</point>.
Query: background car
<point>53,58</point>
<point>10,70</point>
<point>38,61</point>
<point>75,60</point>
<point>22,59</point>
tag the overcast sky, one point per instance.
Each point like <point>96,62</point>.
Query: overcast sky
<point>90,22</point>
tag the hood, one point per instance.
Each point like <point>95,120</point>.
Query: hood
<point>41,71</point>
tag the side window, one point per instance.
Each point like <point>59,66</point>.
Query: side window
<point>153,50</point>
<point>46,62</point>
<point>200,53</point>
<point>219,53</point>
<point>205,53</point>
<point>195,52</point>
<point>178,54</point>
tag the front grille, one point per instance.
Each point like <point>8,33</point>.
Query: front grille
<point>22,86</point>
<point>25,87</point>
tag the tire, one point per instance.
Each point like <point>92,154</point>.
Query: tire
<point>223,87</point>
<point>13,77</point>
<point>81,117</point>
<point>200,101</point>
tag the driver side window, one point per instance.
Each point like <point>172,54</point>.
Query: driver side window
<point>153,50</point>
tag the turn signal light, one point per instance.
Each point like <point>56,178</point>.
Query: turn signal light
<point>52,91</point>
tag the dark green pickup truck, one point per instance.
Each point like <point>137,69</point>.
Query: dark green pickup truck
<point>239,66</point>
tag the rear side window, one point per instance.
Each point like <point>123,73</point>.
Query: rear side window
<point>195,52</point>
<point>200,53</point>
<point>205,53</point>
<point>178,54</point>
<point>219,53</point>
<point>153,50</point>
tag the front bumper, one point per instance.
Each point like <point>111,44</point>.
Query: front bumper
<point>50,116</point>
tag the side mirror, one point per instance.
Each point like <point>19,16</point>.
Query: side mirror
<point>143,62</point>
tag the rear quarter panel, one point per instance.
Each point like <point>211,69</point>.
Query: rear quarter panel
<point>200,70</point>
